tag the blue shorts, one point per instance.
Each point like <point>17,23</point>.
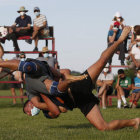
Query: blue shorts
<point>54,89</point>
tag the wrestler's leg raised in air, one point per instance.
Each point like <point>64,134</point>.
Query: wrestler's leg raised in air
<point>97,67</point>
<point>63,85</point>
<point>95,118</point>
<point>31,68</point>
<point>11,64</point>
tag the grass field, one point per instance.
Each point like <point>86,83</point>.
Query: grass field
<point>14,124</point>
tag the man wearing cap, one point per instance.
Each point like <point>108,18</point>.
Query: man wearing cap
<point>113,36</point>
<point>24,23</point>
<point>50,60</point>
<point>104,83</point>
<point>118,17</point>
<point>40,27</point>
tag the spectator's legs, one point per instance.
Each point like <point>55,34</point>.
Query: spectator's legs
<point>35,33</point>
<point>120,89</point>
<point>110,60</point>
<point>133,97</point>
<point>121,48</point>
<point>36,41</point>
<point>137,97</point>
<point>35,36</point>
<point>1,51</point>
<point>102,89</point>
<point>21,93</point>
<point>18,76</point>
<point>103,92</point>
<point>13,94</point>
<point>96,119</point>
<point>119,99</point>
<point>104,99</point>
<point>46,43</point>
<point>132,66</point>
<point>14,39</point>
<point>22,33</point>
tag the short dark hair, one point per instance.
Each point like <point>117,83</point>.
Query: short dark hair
<point>121,71</point>
<point>25,105</point>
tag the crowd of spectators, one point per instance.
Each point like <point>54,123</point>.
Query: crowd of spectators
<point>123,84</point>
<point>22,27</point>
<point>124,87</point>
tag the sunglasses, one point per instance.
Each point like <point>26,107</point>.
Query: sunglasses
<point>22,57</point>
<point>36,11</point>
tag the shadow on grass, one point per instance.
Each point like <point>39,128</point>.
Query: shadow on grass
<point>3,106</point>
<point>77,126</point>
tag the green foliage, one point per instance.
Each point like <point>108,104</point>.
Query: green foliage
<point>75,73</point>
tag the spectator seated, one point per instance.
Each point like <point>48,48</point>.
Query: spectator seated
<point>104,83</point>
<point>123,87</point>
<point>113,35</point>
<point>50,37</point>
<point>135,95</point>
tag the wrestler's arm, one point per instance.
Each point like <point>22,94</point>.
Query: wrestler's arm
<point>62,74</point>
<point>109,82</point>
<point>36,102</point>
<point>55,73</point>
<point>52,116</point>
<point>51,106</point>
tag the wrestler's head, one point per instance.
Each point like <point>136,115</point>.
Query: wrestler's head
<point>30,109</point>
<point>27,107</point>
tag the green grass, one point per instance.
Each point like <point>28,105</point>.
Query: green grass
<point>14,124</point>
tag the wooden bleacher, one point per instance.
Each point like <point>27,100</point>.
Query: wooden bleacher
<point>6,72</point>
<point>50,37</point>
<point>109,100</point>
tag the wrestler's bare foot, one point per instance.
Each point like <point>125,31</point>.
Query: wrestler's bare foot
<point>137,123</point>
<point>71,78</point>
<point>63,109</point>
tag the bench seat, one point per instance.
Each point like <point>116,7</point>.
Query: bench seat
<point>110,100</point>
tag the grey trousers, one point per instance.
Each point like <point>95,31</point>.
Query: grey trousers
<point>133,67</point>
<point>120,48</point>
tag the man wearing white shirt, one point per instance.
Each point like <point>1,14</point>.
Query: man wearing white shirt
<point>104,83</point>
<point>135,57</point>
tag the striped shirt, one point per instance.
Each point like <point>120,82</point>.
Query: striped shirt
<point>39,21</point>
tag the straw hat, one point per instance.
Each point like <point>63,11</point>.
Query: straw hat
<point>45,49</point>
<point>22,8</point>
